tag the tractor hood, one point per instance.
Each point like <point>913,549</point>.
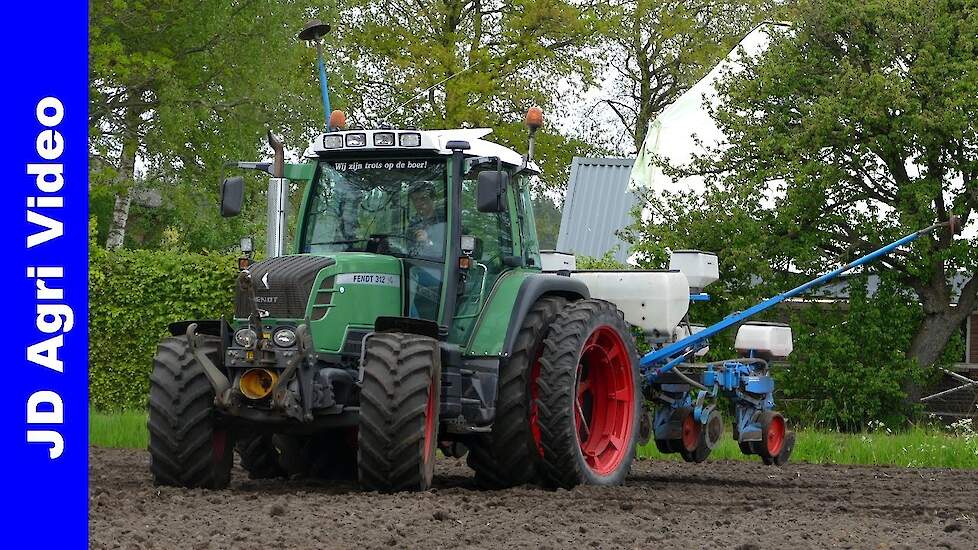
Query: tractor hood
<point>341,294</point>
<point>282,286</point>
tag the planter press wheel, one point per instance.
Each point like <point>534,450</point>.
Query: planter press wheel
<point>773,436</point>
<point>690,431</point>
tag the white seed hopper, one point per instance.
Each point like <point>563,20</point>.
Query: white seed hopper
<point>700,268</point>
<point>765,340</point>
<point>655,301</point>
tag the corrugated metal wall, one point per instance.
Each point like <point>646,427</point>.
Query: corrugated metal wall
<point>597,204</point>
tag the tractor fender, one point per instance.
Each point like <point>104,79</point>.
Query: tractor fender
<point>532,289</point>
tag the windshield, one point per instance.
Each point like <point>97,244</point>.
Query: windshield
<point>394,207</point>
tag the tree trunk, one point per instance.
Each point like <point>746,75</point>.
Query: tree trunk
<point>933,335</point>
<point>941,319</point>
<point>125,180</point>
<point>120,217</point>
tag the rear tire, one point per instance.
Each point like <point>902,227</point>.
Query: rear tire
<point>188,446</point>
<point>508,456</point>
<point>589,399</point>
<point>399,405</point>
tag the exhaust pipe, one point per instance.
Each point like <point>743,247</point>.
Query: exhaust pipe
<point>257,383</point>
<point>278,201</point>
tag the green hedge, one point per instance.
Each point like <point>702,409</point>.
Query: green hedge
<point>134,295</point>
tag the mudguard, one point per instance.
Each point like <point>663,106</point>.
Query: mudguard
<point>533,288</point>
<point>509,303</point>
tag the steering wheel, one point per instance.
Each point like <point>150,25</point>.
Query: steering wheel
<point>385,243</point>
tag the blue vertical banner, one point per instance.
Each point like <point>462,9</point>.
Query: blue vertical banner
<point>45,219</point>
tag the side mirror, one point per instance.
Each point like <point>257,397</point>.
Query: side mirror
<point>491,191</point>
<point>232,196</point>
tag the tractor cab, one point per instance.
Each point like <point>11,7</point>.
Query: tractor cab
<point>414,196</point>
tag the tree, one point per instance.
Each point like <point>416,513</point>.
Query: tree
<point>857,123</point>
<point>465,63</point>
<point>659,49</point>
<point>181,88</point>
<point>849,367</point>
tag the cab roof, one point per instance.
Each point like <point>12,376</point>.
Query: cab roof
<point>435,141</point>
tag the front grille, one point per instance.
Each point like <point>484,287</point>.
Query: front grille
<point>282,286</point>
<point>354,341</point>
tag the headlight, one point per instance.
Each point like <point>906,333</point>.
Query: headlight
<point>332,141</point>
<point>410,140</point>
<point>284,337</point>
<point>356,140</point>
<point>246,338</point>
<point>384,139</point>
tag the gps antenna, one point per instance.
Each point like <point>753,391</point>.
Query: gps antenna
<point>314,31</point>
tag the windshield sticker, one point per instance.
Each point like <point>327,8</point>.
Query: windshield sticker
<point>368,279</point>
<point>380,165</point>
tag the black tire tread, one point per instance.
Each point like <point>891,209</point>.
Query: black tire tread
<point>398,371</point>
<point>182,418</point>
<point>562,464</point>
<point>508,456</point>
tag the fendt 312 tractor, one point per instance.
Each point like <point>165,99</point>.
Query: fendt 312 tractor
<point>413,314</point>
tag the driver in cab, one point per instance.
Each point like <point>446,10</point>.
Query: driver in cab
<point>426,230</point>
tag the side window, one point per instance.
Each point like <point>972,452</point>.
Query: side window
<point>493,233</point>
<point>493,230</point>
<point>528,232</point>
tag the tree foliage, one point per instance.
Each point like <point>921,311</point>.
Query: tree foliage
<point>466,63</point>
<point>179,88</point>
<point>659,49</point>
<point>849,366</point>
<point>135,294</point>
<point>856,125</point>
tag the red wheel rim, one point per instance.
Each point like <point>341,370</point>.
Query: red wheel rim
<point>219,445</point>
<point>605,400</point>
<point>775,435</point>
<point>691,432</point>
<point>534,409</point>
<point>429,424</point>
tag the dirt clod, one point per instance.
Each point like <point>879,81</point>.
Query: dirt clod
<point>275,510</point>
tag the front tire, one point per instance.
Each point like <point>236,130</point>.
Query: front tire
<point>588,397</point>
<point>399,405</point>
<point>188,446</point>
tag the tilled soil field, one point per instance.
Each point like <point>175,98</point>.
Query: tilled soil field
<point>663,505</point>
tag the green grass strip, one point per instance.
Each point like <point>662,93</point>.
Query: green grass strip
<point>122,430</point>
<point>917,448</point>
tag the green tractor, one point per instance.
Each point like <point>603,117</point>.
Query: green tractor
<point>410,316</point>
